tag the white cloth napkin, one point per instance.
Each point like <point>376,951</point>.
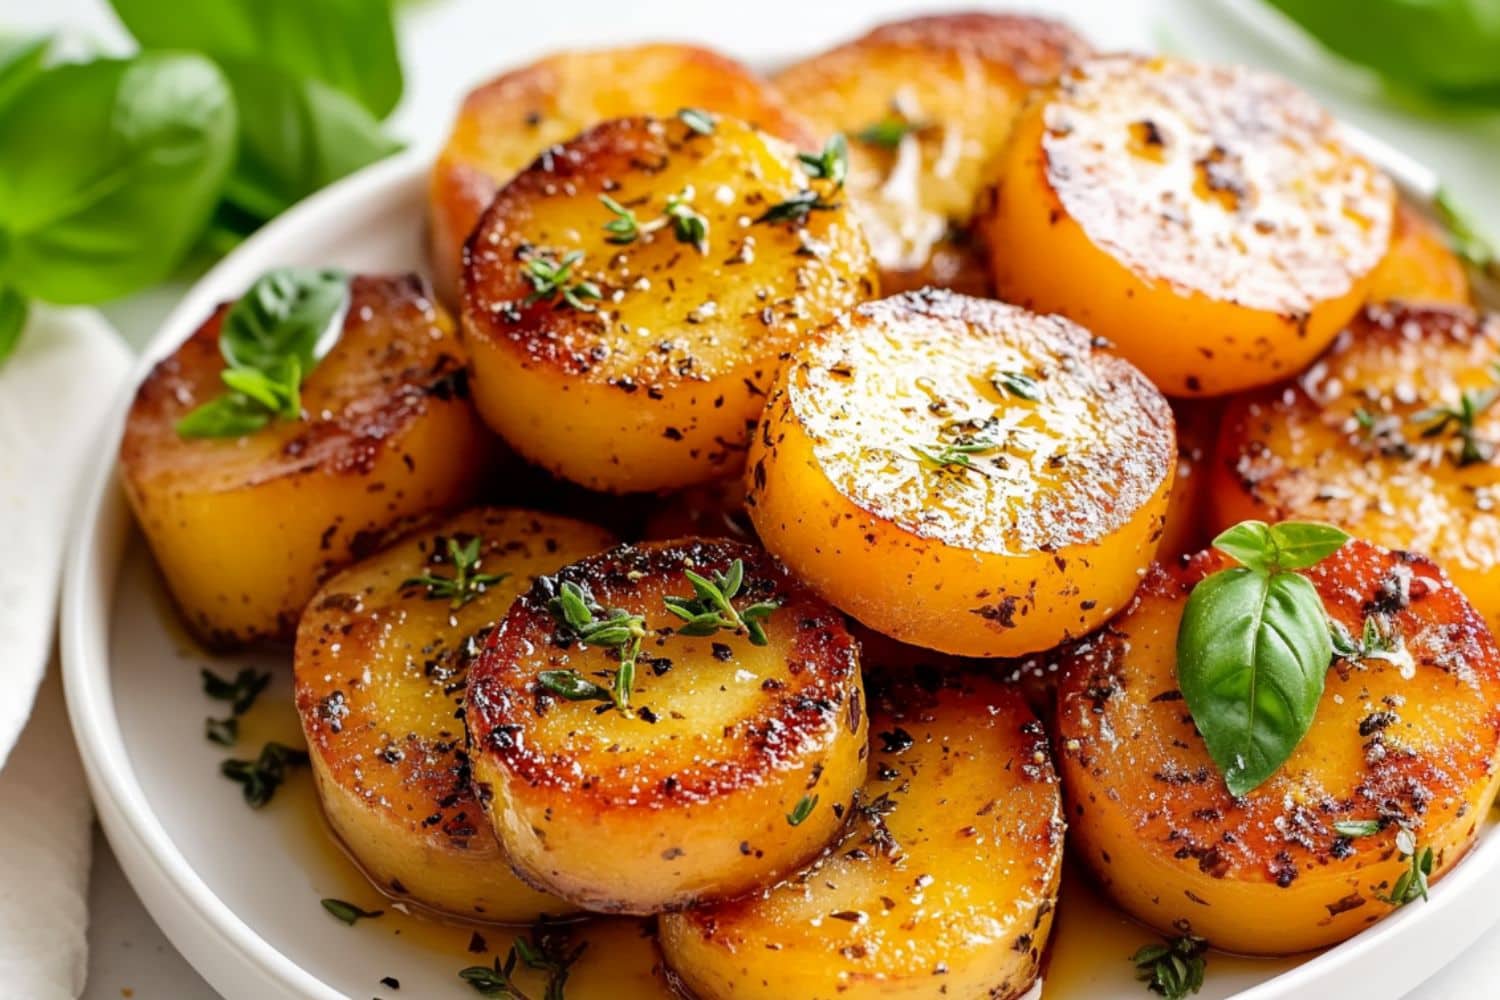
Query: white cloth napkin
<point>54,392</point>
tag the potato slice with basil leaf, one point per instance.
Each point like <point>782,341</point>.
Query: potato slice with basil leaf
<point>381,665</point>
<point>1384,792</point>
<point>634,759</point>
<point>963,475</point>
<point>296,462</point>
<point>943,883</point>
<point>1394,435</point>
<point>1210,221</point>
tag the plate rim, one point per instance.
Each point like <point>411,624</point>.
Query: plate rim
<point>1440,929</point>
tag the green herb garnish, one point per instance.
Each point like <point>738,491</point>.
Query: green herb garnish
<point>1376,642</point>
<point>796,208</point>
<point>624,227</point>
<point>1017,384</point>
<point>1253,648</point>
<point>548,951</point>
<point>689,226</point>
<point>1465,240</point>
<point>1173,970</point>
<point>260,778</point>
<point>270,339</point>
<point>240,692</point>
<point>713,609</point>
<point>1354,828</point>
<point>831,164</point>
<point>225,732</point>
<point>889,131</point>
<point>573,686</point>
<point>955,456</point>
<point>1411,884</point>
<point>697,120</point>
<point>802,810</point>
<point>1462,421</point>
<point>466,583</point>
<point>580,618</point>
<point>552,278</point>
<point>347,912</point>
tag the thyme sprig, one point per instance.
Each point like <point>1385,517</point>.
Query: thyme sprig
<point>579,617</point>
<point>240,693</point>
<point>713,607</point>
<point>544,950</point>
<point>1462,420</point>
<point>259,778</point>
<point>1173,969</point>
<point>552,278</point>
<point>831,164</point>
<point>689,225</point>
<point>889,131</point>
<point>1411,885</point>
<point>465,584</point>
<point>1017,384</point>
<point>802,810</point>
<point>1375,642</point>
<point>954,456</point>
<point>347,912</point>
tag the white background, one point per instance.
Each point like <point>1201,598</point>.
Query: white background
<point>450,44</point>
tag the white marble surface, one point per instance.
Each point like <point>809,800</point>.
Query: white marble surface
<point>448,44</point>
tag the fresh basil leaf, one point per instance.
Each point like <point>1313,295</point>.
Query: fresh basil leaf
<point>230,415</point>
<point>348,45</point>
<point>1249,543</point>
<point>1301,544</point>
<point>20,63</point>
<point>297,136</point>
<point>1442,48</point>
<point>108,171</point>
<point>13,312</point>
<point>289,313</point>
<point>1253,651</point>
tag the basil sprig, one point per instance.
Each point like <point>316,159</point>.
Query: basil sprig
<point>1253,648</point>
<point>270,339</point>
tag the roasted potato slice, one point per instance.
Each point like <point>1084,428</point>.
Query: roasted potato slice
<point>1208,220</point>
<point>380,668</point>
<point>1402,738</point>
<point>943,884</point>
<point>1421,266</point>
<point>1364,440</point>
<point>963,475</point>
<point>506,123</point>
<point>734,766</point>
<point>244,529</point>
<point>716,255</point>
<point>1186,527</point>
<point>927,103</point>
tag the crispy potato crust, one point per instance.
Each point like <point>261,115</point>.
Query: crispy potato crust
<point>1208,220</point>
<point>244,529</point>
<point>1037,538</point>
<point>689,799</point>
<point>962,79</point>
<point>944,881</point>
<point>659,385</point>
<point>1421,266</point>
<point>380,671</point>
<point>1410,742</point>
<point>506,123</point>
<point>1301,451</point>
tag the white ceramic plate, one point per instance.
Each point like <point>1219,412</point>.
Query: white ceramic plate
<point>237,891</point>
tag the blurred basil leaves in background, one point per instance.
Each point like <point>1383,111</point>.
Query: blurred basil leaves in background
<point>1447,51</point>
<point>112,170</point>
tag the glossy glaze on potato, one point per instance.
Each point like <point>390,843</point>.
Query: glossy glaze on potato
<point>1301,451</point>
<point>1421,267</point>
<point>961,78</point>
<point>1042,537</point>
<point>381,670</point>
<point>506,123</point>
<point>1208,220</point>
<point>245,529</point>
<point>1407,742</point>
<point>657,385</point>
<point>943,884</point>
<point>689,799</point>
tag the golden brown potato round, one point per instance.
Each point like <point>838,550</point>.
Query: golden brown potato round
<point>1186,527</point>
<point>1208,220</point>
<point>244,529</point>
<point>506,123</point>
<point>963,475</point>
<point>656,383</point>
<point>734,767</point>
<point>380,668</point>
<point>927,103</point>
<point>943,884</point>
<point>1355,442</point>
<point>1405,740</point>
<point>1421,266</point>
